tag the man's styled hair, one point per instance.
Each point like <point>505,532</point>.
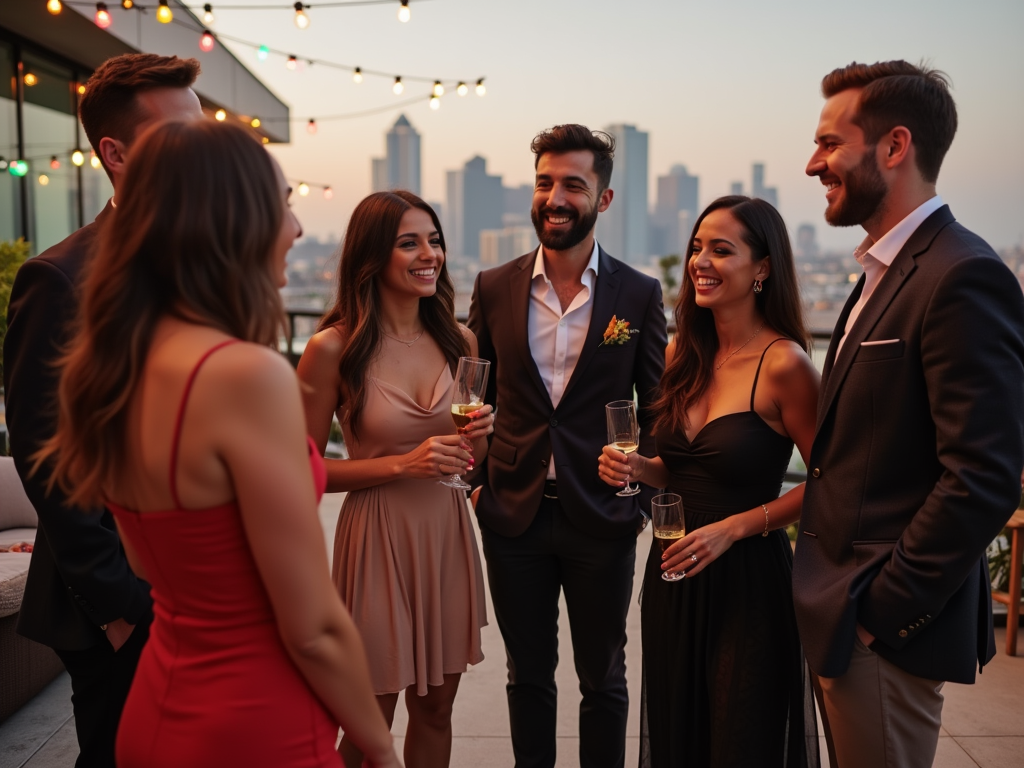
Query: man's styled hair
<point>573,138</point>
<point>109,107</point>
<point>900,93</point>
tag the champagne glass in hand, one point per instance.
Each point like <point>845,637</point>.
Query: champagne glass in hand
<point>467,396</point>
<point>669,526</point>
<point>623,433</point>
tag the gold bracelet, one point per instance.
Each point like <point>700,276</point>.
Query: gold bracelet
<point>765,534</point>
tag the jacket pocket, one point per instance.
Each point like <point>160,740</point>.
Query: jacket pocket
<point>502,451</point>
<point>872,353</point>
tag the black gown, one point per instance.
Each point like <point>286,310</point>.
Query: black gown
<point>725,683</point>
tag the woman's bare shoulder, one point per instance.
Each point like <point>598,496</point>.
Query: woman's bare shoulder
<point>326,343</point>
<point>786,362</point>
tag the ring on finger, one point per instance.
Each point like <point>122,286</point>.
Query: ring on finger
<point>694,558</point>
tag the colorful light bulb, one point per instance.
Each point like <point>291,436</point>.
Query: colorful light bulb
<point>30,79</point>
<point>311,127</point>
<point>328,193</point>
<point>102,16</point>
<point>54,6</point>
<point>163,13</point>
<point>54,163</point>
<point>206,42</point>
<point>262,52</point>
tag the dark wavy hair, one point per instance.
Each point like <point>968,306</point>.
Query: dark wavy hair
<point>365,254</point>
<point>193,234</point>
<point>689,373</point>
<point>573,137</point>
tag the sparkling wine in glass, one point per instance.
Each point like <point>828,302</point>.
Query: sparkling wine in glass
<point>623,433</point>
<point>669,525</point>
<point>467,396</point>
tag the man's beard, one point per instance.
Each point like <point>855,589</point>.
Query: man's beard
<point>863,191</point>
<point>563,241</point>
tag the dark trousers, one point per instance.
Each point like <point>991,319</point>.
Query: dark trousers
<point>525,575</point>
<point>100,680</point>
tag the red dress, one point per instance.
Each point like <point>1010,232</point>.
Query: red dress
<point>215,686</point>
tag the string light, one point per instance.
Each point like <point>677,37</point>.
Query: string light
<point>94,160</point>
<point>262,52</point>
<point>220,114</point>
<point>30,79</point>
<point>435,103</point>
<point>398,87</point>
<point>163,13</point>
<point>3,163</point>
<point>357,76</point>
<point>292,63</point>
<point>303,189</point>
<point>43,179</point>
<point>18,168</point>
<point>127,4</point>
<point>81,90</point>
<point>481,89</point>
<point>328,193</point>
<point>206,41</point>
<point>311,127</point>
<point>102,16</point>
<point>207,14</point>
<point>438,89</point>
<point>301,19</point>
<point>404,14</point>
<point>54,163</point>
<point>255,122</point>
<point>462,89</point>
<point>266,139</point>
<point>77,158</point>
<point>54,7</point>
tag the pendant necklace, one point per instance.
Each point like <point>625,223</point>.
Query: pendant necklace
<point>403,341</point>
<point>741,346</point>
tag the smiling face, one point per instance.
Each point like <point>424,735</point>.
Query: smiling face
<point>290,231</point>
<point>846,164</point>
<point>566,199</point>
<point>416,257</point>
<point>721,264</point>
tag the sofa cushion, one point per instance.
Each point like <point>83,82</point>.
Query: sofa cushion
<point>16,511</point>
<point>13,571</point>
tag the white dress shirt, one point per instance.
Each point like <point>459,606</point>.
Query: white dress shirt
<point>556,338</point>
<point>876,258</point>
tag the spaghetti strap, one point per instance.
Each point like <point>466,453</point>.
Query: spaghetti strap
<point>181,414</point>
<point>760,362</point>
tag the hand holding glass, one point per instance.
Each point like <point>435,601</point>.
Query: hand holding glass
<point>467,396</point>
<point>623,433</point>
<point>669,525</point>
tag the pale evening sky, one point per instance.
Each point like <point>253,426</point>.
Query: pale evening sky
<point>718,85</point>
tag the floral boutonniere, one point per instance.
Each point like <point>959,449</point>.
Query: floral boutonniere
<point>617,332</point>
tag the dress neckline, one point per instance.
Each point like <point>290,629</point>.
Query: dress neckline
<point>435,397</point>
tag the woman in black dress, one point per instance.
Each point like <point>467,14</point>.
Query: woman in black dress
<point>724,678</point>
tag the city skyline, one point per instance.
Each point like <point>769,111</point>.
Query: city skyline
<point>714,93</point>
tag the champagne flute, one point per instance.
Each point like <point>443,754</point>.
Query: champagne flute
<point>669,526</point>
<point>467,396</point>
<point>623,433</point>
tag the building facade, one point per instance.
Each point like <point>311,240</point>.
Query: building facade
<point>400,167</point>
<point>476,201</point>
<point>674,212</point>
<point>622,229</point>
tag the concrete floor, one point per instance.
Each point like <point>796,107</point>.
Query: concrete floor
<point>983,724</point>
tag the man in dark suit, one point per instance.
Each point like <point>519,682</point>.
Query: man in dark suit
<point>548,523</point>
<point>81,597</point>
<point>917,458</point>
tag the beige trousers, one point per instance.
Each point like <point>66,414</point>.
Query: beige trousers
<point>879,716</point>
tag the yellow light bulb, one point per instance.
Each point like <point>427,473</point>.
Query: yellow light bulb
<point>163,13</point>
<point>77,158</point>
<point>220,114</point>
<point>301,19</point>
<point>481,89</point>
<point>303,188</point>
<point>43,179</point>
<point>438,89</point>
<point>127,4</point>
<point>462,90</point>
<point>208,14</point>
<point>403,12</point>
<point>54,6</point>
<point>255,122</point>
<point>266,139</point>
<point>398,87</point>
<point>435,103</point>
<point>94,161</point>
<point>30,79</point>
<point>81,90</point>
<point>357,76</point>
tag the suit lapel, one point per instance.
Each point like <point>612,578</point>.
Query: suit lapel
<point>606,292</point>
<point>888,287</point>
<point>519,287</point>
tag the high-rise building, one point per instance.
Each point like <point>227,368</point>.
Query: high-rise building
<point>806,242</point>
<point>476,201</point>
<point>677,193</point>
<point>622,229</point>
<point>498,246</point>
<point>736,188</point>
<point>758,189</point>
<point>400,168</point>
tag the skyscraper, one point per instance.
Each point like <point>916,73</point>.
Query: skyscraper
<point>475,202</point>
<point>400,168</point>
<point>758,189</point>
<point>622,229</point>
<point>678,191</point>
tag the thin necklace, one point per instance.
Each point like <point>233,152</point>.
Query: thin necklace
<point>407,343</point>
<point>741,346</point>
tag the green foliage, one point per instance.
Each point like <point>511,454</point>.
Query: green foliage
<point>12,255</point>
<point>668,277</point>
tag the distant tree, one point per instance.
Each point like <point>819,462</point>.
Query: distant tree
<point>668,265</point>
<point>12,255</point>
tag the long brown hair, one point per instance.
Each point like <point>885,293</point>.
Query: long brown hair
<point>369,242</point>
<point>690,371</point>
<point>198,216</point>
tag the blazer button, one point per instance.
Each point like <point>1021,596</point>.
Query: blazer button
<point>816,472</point>
<point>554,422</point>
<point>903,633</point>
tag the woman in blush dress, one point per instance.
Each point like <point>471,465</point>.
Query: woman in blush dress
<point>177,413</point>
<point>405,555</point>
<point>724,678</point>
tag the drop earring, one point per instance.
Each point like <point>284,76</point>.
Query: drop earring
<point>758,286</point>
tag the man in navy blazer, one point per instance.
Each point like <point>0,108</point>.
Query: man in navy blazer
<point>81,597</point>
<point>547,522</point>
<point>916,462</point>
